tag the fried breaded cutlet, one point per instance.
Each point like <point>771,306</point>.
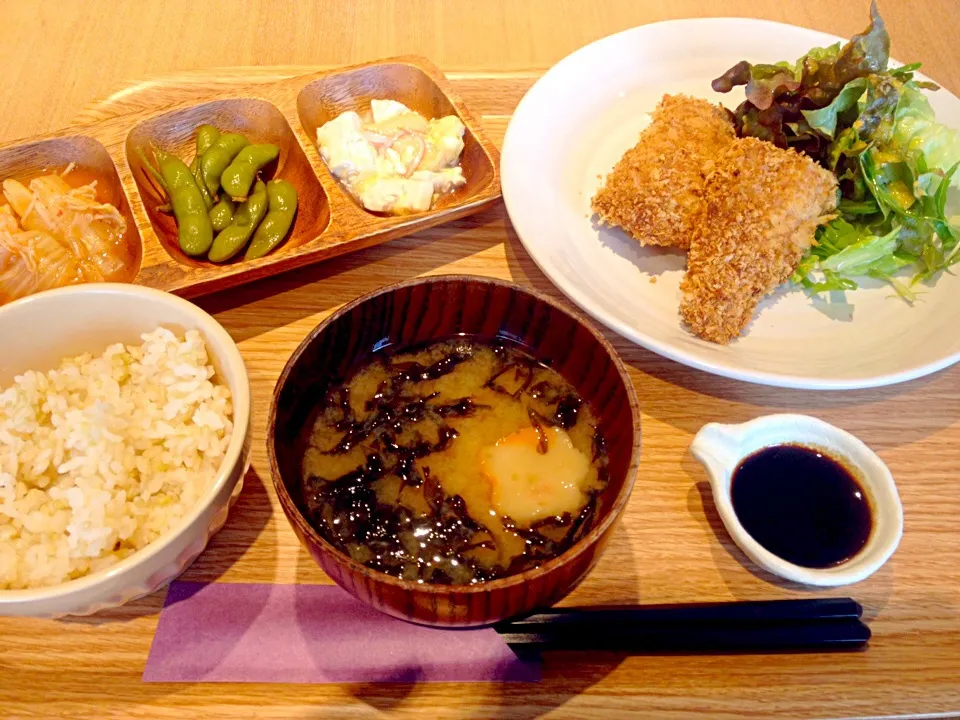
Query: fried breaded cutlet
<point>655,190</point>
<point>761,205</point>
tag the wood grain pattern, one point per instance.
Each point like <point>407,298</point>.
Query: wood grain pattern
<point>424,310</point>
<point>670,545</point>
<point>58,56</point>
<point>285,112</point>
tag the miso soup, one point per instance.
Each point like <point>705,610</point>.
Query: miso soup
<point>454,463</point>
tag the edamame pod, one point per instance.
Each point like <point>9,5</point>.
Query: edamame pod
<point>239,176</point>
<point>207,135</point>
<point>235,236</point>
<point>207,199</point>
<point>194,230</point>
<point>152,171</point>
<point>222,213</point>
<point>218,156</point>
<point>275,226</point>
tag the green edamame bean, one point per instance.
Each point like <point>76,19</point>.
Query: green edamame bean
<point>194,230</point>
<point>276,224</point>
<point>207,198</point>
<point>239,176</point>
<point>207,135</point>
<point>152,171</point>
<point>222,213</point>
<point>232,239</point>
<point>218,156</point>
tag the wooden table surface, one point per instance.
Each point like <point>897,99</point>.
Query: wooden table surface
<point>670,547</point>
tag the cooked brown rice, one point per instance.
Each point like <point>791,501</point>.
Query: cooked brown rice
<point>104,454</point>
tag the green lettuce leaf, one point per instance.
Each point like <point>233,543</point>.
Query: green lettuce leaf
<point>764,82</point>
<point>847,145</point>
<point>897,181</point>
<point>865,53</point>
<point>896,166</point>
<point>905,72</point>
<point>846,251</point>
<point>868,253</point>
<point>916,129</point>
<point>778,96</point>
<point>877,107</point>
<point>825,119</point>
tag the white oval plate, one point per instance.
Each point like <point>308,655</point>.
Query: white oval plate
<point>575,123</point>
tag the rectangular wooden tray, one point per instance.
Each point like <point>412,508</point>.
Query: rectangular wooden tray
<point>286,112</point>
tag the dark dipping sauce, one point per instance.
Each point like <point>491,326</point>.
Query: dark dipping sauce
<point>801,505</point>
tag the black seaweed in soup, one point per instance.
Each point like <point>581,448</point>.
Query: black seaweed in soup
<point>455,463</point>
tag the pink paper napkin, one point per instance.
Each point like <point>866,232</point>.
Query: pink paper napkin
<point>240,632</point>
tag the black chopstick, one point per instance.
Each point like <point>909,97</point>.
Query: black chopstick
<point>747,611</point>
<point>757,626</point>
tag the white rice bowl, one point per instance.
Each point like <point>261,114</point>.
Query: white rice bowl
<point>102,455</point>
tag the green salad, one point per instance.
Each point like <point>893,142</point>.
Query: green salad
<point>873,127</point>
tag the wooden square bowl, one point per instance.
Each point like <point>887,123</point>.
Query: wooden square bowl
<point>91,162</point>
<point>325,98</point>
<point>260,122</point>
<point>436,308</point>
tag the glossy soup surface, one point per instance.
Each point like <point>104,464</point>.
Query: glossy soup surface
<point>455,463</point>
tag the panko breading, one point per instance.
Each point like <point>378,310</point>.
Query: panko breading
<point>655,191</point>
<point>761,207</point>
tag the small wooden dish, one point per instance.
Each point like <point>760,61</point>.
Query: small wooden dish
<point>285,112</point>
<point>91,160</point>
<point>415,312</point>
